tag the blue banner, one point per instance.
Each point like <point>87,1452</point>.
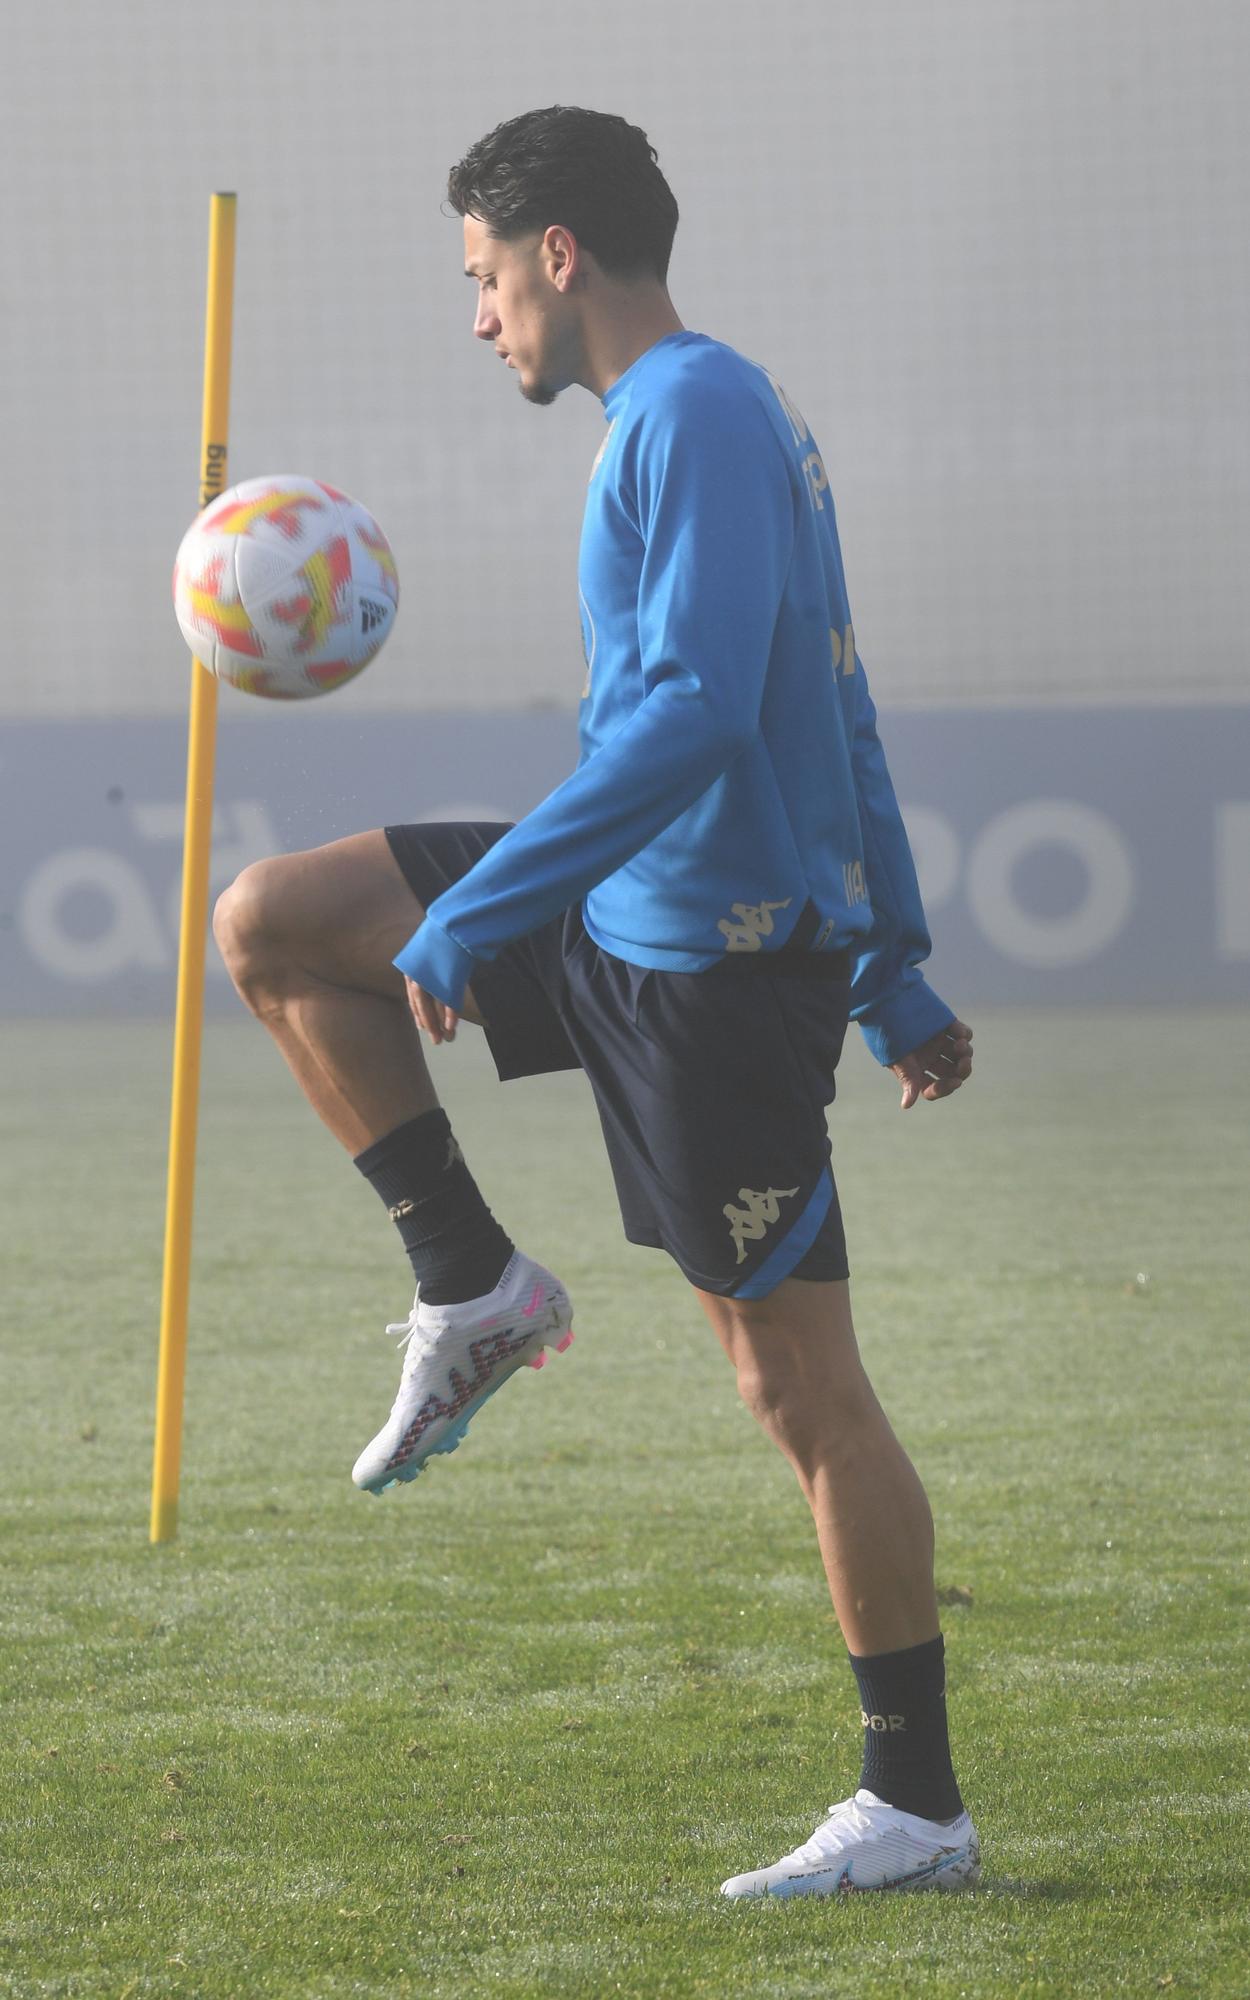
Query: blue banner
<point>1066,855</point>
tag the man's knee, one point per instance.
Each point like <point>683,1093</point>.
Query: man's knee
<point>778,1388</point>
<point>331,916</point>
<point>798,1367</point>
<point>812,1422</point>
<point>247,920</point>
<point>769,1390</point>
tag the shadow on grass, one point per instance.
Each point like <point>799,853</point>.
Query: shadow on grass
<point>1045,1890</point>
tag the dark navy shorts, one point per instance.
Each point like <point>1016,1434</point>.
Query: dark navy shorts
<point>711,1086</point>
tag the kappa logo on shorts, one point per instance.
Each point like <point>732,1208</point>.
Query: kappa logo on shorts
<point>758,1215</point>
<point>755,921</point>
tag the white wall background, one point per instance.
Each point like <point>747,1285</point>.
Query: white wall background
<point>996,250</point>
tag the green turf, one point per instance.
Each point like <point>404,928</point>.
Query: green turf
<point>505,1731</point>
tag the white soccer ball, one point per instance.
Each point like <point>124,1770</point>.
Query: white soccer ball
<point>285,587</point>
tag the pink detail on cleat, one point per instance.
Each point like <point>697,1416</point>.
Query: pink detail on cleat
<point>529,1310</point>
<point>540,1358</point>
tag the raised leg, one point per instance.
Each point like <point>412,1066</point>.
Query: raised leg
<point>308,940</point>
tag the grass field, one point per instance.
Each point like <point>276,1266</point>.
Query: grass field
<point>505,1731</point>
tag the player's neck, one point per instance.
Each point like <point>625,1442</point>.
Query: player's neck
<point>620,337</point>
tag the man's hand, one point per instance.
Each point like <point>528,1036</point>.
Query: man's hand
<point>938,1066</point>
<point>429,1013</point>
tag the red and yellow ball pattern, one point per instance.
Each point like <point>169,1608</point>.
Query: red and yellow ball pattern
<point>285,587</point>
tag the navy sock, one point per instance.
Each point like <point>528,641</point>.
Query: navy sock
<point>455,1246</point>
<point>907,1758</point>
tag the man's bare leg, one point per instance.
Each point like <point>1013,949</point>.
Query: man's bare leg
<point>800,1374</point>
<point>308,940</point>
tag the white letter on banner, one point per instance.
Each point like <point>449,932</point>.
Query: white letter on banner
<point>242,832</point>
<point>132,938</point>
<point>1051,942</point>
<point>1232,880</point>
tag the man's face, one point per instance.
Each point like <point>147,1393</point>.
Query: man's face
<point>517,309</point>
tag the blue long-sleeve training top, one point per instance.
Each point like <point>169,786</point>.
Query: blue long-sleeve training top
<point>730,776</point>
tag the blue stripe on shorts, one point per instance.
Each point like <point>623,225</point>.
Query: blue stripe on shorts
<point>792,1247</point>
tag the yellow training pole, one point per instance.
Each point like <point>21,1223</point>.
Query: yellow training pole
<point>188,1018</point>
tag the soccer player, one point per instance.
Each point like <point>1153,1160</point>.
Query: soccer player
<point>691,918</point>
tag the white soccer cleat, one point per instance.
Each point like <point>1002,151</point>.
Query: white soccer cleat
<point>457,1357</point>
<point>865,1844</point>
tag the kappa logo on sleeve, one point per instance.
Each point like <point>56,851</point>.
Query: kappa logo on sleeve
<point>757,1215</point>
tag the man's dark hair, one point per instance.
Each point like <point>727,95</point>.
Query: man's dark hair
<point>587,170</point>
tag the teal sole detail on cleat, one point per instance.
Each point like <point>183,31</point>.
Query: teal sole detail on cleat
<point>454,1438</point>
